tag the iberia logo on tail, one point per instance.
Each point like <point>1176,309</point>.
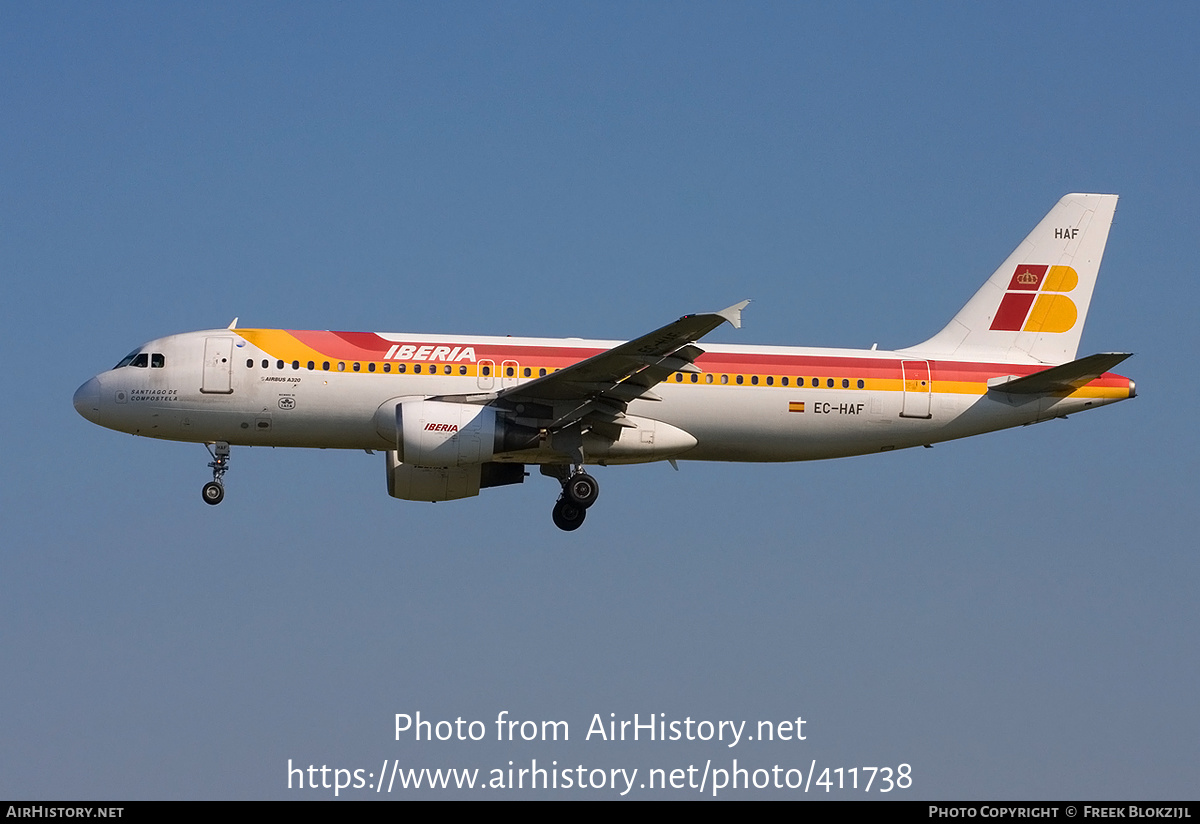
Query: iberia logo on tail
<point>1035,300</point>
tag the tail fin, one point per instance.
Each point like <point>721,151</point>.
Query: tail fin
<point>1033,307</point>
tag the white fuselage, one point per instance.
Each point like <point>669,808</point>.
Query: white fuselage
<point>727,407</point>
<point>457,414</point>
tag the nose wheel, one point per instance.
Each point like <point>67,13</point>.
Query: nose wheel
<point>580,490</point>
<point>214,491</point>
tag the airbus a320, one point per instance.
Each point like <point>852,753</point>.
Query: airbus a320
<point>455,414</point>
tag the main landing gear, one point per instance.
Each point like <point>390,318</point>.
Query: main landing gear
<point>580,491</point>
<point>214,491</point>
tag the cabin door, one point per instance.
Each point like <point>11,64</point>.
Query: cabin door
<point>917,389</point>
<point>218,366</point>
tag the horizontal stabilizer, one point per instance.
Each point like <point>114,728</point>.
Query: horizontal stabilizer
<point>1065,378</point>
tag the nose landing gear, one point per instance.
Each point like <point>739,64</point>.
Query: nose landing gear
<point>580,491</point>
<point>214,491</point>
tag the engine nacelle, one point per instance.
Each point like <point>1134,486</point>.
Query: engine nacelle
<point>443,434</point>
<point>423,483</point>
<point>446,483</point>
<point>440,434</point>
<point>444,450</point>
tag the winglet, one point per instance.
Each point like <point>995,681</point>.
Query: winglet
<point>232,325</point>
<point>733,314</point>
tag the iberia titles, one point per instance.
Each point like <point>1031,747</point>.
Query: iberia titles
<point>411,352</point>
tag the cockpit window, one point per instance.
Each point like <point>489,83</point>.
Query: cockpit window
<point>142,360</point>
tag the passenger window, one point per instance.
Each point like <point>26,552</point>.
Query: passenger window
<point>295,364</point>
<point>724,379</point>
<point>542,372</point>
<point>402,367</point>
<point>325,366</point>
<point>279,364</point>
<point>509,372</point>
<point>266,363</point>
<point>861,384</point>
<point>708,378</point>
<point>446,369</point>
<point>678,377</point>
<point>829,383</point>
<point>416,368</point>
<point>387,367</point>
<point>740,379</point>
<point>462,370</point>
<point>157,361</point>
<point>770,381</point>
<point>845,383</point>
<point>695,377</point>
<point>311,366</point>
<point>341,366</point>
<point>357,367</point>
<point>249,363</point>
<point>783,381</point>
<point>528,372</point>
<point>487,371</point>
<point>754,380</point>
<point>370,367</point>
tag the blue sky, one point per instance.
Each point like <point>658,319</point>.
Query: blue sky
<point>1012,615</point>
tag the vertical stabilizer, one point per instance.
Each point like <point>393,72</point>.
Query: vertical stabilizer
<point>1033,307</point>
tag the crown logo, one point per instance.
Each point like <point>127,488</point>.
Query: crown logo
<point>1027,278</point>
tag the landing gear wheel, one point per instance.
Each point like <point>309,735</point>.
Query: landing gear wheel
<point>568,516</point>
<point>213,493</point>
<point>581,489</point>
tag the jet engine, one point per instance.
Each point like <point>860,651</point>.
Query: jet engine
<point>446,483</point>
<point>444,450</point>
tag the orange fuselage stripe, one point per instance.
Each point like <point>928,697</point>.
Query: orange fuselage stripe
<point>877,374</point>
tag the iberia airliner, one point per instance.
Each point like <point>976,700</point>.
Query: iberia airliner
<point>454,414</point>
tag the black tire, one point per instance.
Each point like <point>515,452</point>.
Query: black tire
<point>213,493</point>
<point>582,490</point>
<point>567,516</point>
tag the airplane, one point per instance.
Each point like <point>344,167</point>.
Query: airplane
<point>456,414</point>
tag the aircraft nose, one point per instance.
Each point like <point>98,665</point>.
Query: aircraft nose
<point>87,400</point>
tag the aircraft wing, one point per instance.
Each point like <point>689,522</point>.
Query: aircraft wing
<point>600,387</point>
